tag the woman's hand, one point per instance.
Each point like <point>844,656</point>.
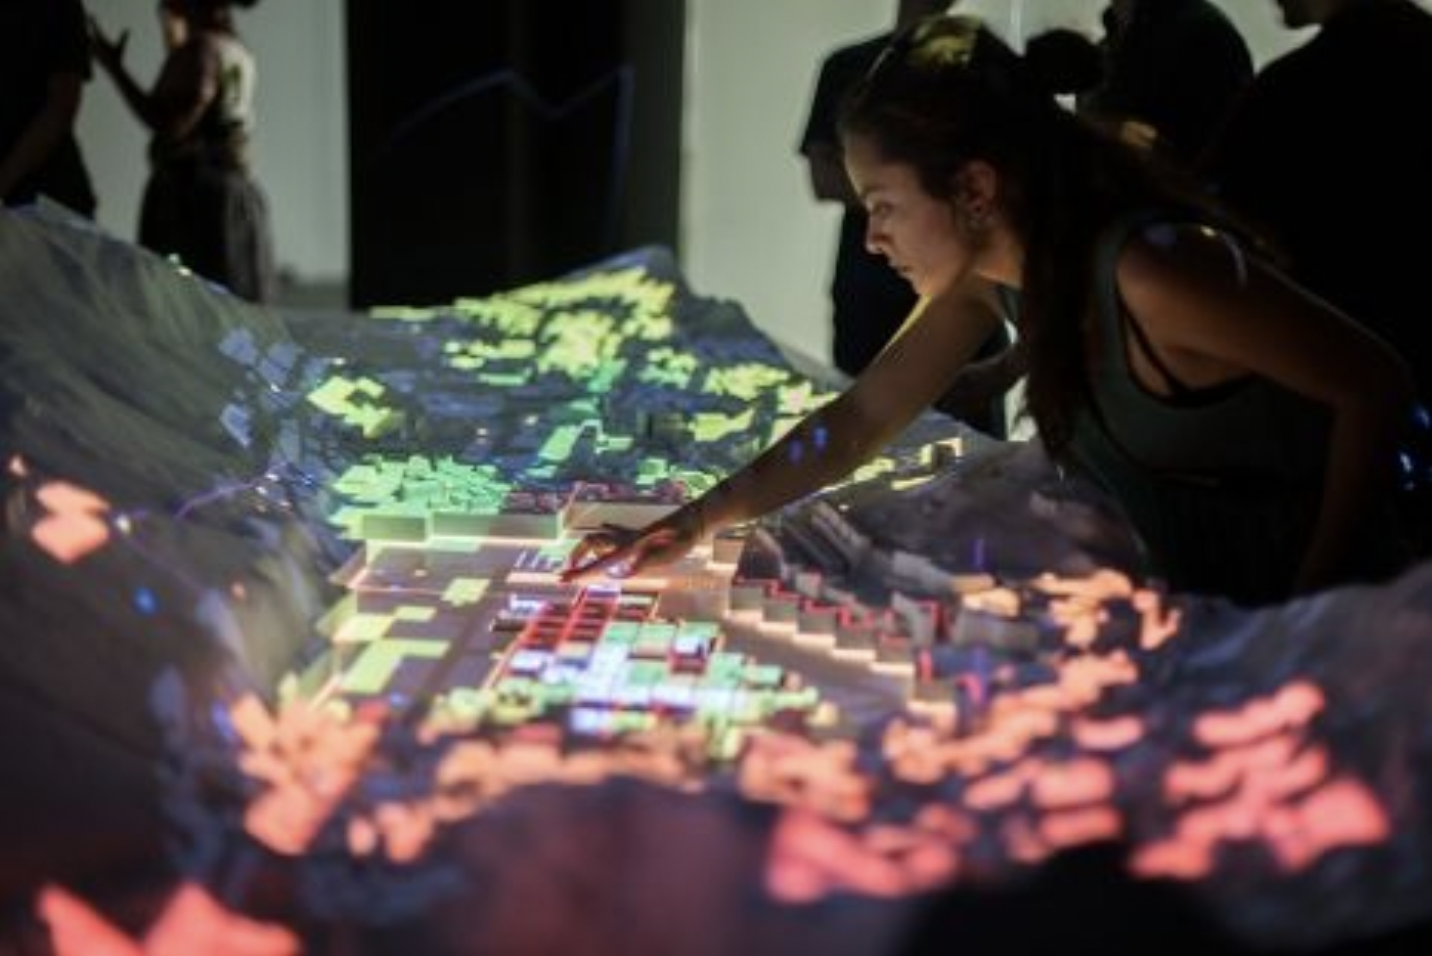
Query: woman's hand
<point>621,552</point>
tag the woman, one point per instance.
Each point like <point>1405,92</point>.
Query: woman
<point>201,203</point>
<point>1249,430</point>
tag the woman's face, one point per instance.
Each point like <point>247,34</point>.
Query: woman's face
<point>915,231</point>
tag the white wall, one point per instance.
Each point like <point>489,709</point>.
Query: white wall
<point>750,229</point>
<point>300,146</point>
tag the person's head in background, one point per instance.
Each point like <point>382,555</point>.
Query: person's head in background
<point>908,11</point>
<point>992,177</point>
<point>179,19</point>
<point>1118,14</point>
<point>1308,13</point>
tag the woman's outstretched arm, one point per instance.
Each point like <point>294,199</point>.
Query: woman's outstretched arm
<point>939,339</point>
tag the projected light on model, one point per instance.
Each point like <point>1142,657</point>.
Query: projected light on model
<point>317,599</point>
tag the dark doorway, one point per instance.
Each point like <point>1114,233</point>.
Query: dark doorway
<point>499,142</point>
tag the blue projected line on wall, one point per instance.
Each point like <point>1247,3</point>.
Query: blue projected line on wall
<point>509,80</point>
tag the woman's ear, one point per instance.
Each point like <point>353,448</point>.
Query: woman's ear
<point>975,192</point>
<point>977,183</point>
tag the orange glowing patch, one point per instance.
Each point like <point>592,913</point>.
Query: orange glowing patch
<point>1298,775</point>
<point>309,760</point>
<point>286,819</point>
<point>68,537</point>
<point>810,858</point>
<point>1177,858</point>
<point>1235,818</point>
<point>192,922</point>
<point>61,497</point>
<point>253,722</point>
<point>1070,828</point>
<point>1203,780</point>
<point>946,822</point>
<point>1076,782</point>
<point>1344,813</point>
<point>997,790</point>
<point>1118,733</point>
<point>929,864</point>
<point>1292,706</point>
<point>406,830</point>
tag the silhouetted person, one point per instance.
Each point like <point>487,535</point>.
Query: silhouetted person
<point>1172,71</point>
<point>1330,151</point>
<point>869,299</point>
<point>201,202</point>
<point>1073,64</point>
<point>44,64</point>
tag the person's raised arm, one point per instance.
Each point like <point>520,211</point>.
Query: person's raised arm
<point>1215,309</point>
<point>937,340</point>
<point>187,83</point>
<point>109,54</point>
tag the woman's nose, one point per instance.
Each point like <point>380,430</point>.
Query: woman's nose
<point>874,239</point>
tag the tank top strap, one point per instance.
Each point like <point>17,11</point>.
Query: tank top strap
<point>1113,317</point>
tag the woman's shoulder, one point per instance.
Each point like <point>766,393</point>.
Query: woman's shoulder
<point>1147,238</point>
<point>1178,257</point>
<point>1159,235</point>
<point>1152,223</point>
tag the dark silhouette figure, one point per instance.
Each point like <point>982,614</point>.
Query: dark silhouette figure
<point>1330,153</point>
<point>201,203</point>
<point>1172,71</point>
<point>870,300</point>
<point>44,64</point>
